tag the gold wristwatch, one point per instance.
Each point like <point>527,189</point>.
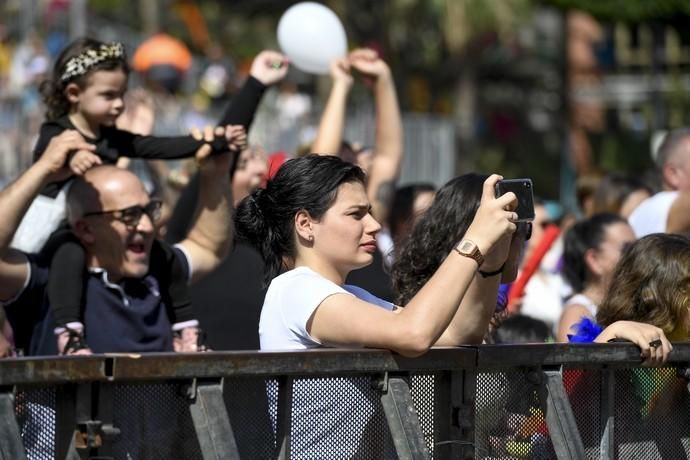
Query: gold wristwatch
<point>468,248</point>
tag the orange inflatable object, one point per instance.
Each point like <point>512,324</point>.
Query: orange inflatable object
<point>162,49</point>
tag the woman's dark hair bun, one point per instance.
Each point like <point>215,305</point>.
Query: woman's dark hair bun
<point>250,219</point>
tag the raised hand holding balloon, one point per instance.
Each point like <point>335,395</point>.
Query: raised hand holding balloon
<point>311,36</point>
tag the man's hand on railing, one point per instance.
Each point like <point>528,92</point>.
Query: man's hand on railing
<point>655,347</point>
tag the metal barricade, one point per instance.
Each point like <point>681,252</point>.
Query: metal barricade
<point>545,401</point>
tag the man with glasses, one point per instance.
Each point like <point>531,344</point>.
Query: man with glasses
<point>115,220</point>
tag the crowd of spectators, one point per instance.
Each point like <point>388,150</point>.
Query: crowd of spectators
<point>330,249</point>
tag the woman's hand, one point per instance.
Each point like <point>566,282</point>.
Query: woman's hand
<point>652,341</point>
<point>494,220</point>
<point>237,138</point>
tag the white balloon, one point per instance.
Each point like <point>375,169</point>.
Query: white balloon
<point>311,36</point>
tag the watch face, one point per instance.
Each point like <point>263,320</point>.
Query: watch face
<point>467,247</point>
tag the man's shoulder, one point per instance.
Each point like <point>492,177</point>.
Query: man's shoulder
<point>658,203</point>
<point>39,264</point>
<point>652,214</point>
<point>36,279</point>
<point>166,257</point>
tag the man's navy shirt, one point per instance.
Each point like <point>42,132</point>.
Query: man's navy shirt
<point>127,316</point>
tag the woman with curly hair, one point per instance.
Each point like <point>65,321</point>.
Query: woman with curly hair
<point>650,286</point>
<point>450,214</point>
<point>424,250</point>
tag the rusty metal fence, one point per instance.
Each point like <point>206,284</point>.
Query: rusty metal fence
<point>488,402</point>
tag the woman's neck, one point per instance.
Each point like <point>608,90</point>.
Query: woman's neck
<point>595,293</point>
<point>83,125</point>
<point>325,270</point>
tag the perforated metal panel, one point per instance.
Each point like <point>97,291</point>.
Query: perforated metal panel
<point>342,417</point>
<point>510,417</point>
<point>247,402</point>
<point>154,422</point>
<point>652,421</point>
<point>338,418</point>
<point>423,389</point>
<point>584,389</point>
<point>35,408</point>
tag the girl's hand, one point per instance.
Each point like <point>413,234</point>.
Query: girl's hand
<point>269,67</point>
<point>494,219</point>
<point>652,341</point>
<point>82,161</point>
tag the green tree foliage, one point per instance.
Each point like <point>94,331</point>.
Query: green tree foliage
<point>627,10</point>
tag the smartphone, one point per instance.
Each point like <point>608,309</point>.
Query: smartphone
<point>523,190</point>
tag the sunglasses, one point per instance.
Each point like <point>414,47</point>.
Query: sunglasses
<point>132,215</point>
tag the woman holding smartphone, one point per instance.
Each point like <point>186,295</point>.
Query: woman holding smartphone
<point>312,221</point>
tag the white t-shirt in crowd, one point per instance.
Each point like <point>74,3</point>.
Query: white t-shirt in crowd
<point>329,415</point>
<point>651,215</point>
<point>384,241</point>
<point>581,299</point>
<point>291,300</point>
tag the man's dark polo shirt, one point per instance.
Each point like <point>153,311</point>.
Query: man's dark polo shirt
<point>127,316</point>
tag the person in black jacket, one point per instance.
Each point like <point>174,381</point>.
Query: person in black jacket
<point>228,301</point>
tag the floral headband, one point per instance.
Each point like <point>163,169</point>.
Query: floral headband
<point>80,64</point>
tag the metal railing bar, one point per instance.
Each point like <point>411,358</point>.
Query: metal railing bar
<point>310,363</point>
<point>211,422</point>
<point>11,447</point>
<point>607,450</point>
<point>402,419</point>
<point>565,436</point>
<point>284,417</point>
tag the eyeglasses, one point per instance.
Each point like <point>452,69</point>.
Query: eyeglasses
<point>132,215</point>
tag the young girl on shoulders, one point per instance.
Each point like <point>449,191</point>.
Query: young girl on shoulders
<point>86,93</point>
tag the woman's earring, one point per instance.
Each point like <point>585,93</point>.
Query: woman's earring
<point>311,237</point>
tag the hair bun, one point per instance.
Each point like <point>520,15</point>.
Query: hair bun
<point>250,218</point>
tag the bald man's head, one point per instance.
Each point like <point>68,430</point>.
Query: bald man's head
<point>97,203</point>
<point>673,160</point>
<point>97,189</point>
